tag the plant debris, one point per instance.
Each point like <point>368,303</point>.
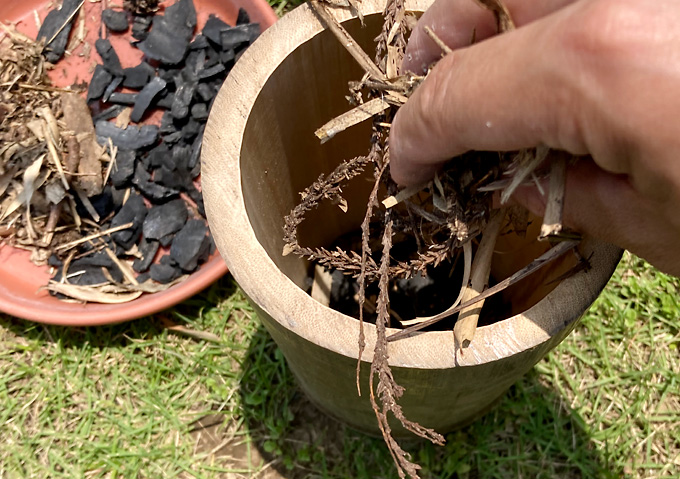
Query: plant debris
<point>437,220</point>
<point>107,198</point>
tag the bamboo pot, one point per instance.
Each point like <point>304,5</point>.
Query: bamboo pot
<point>260,152</point>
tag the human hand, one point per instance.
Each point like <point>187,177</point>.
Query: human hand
<point>591,77</point>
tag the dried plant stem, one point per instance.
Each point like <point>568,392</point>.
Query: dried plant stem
<point>552,219</point>
<point>464,329</point>
<point>467,267</point>
<point>347,41</point>
<point>552,254</point>
<point>360,113</point>
<point>54,155</point>
<point>85,239</point>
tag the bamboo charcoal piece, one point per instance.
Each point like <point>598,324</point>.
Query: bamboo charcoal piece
<point>133,211</point>
<point>131,138</point>
<point>137,77</point>
<point>188,246</point>
<point>124,168</point>
<point>101,79</point>
<point>115,20</point>
<point>140,27</point>
<point>146,98</point>
<point>164,273</point>
<point>148,249</point>
<point>170,34</point>
<point>56,28</point>
<point>109,57</point>
<point>165,220</point>
<point>213,29</point>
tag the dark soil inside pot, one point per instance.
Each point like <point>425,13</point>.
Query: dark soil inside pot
<point>416,297</point>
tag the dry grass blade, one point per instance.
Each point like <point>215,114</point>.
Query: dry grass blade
<point>527,162</point>
<point>440,43</point>
<point>464,329</point>
<point>547,257</point>
<point>361,113</point>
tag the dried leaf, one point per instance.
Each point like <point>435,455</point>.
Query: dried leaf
<point>90,294</point>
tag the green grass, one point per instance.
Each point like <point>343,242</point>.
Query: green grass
<point>137,400</point>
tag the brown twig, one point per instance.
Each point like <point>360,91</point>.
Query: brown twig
<point>552,219</point>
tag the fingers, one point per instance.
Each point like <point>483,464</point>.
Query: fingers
<point>511,91</point>
<point>454,21</point>
<point>607,207</point>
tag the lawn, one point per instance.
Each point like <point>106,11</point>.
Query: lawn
<point>201,391</point>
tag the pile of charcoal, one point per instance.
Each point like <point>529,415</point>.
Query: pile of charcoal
<point>153,184</point>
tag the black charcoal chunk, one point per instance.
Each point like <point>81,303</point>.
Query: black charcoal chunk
<point>191,130</point>
<point>54,260</point>
<point>194,64</point>
<point>165,100</point>
<point>168,123</point>
<point>100,258</point>
<point>205,92</point>
<point>56,29</point>
<point>118,196</point>
<point>137,77</point>
<point>187,245</point>
<point>142,278</point>
<point>242,17</point>
<point>153,191</point>
<point>124,169</point>
<point>211,72</point>
<point>123,98</point>
<point>115,83</point>
<point>172,178</point>
<point>181,155</point>
<point>103,203</point>
<point>200,42</point>
<point>238,35</point>
<point>146,98</point>
<point>108,114</point>
<point>158,156</point>
<point>213,29</point>
<point>228,56</point>
<point>133,211</point>
<point>166,219</point>
<point>109,57</point>
<point>183,96</point>
<point>148,249</point>
<point>173,138</point>
<point>140,27</point>
<point>164,273</point>
<point>197,198</point>
<point>131,138</point>
<point>199,112</point>
<point>195,152</point>
<point>101,78</point>
<point>169,74</point>
<point>86,275</point>
<point>115,20</point>
<point>170,34</point>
